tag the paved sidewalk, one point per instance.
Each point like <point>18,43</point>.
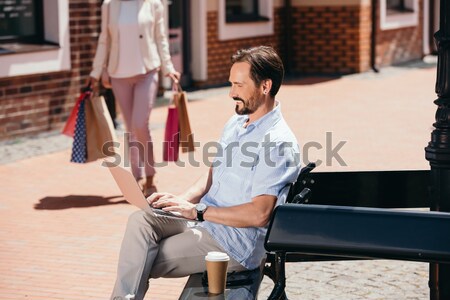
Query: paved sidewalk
<point>62,223</point>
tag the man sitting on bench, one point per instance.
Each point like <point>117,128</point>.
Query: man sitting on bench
<point>235,199</point>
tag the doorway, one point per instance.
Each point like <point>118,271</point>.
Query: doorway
<point>179,41</point>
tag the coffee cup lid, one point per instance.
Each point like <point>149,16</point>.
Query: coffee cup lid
<point>217,256</point>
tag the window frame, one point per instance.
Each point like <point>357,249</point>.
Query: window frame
<point>53,55</point>
<point>264,25</point>
<point>401,8</point>
<point>400,18</point>
<point>255,16</point>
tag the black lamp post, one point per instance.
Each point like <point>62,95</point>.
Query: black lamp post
<point>438,150</point>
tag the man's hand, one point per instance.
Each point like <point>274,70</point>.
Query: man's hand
<point>172,203</point>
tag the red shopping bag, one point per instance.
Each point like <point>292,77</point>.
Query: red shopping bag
<point>171,135</point>
<point>69,128</point>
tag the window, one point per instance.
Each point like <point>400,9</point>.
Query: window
<point>398,13</point>
<point>21,21</point>
<point>397,6</point>
<point>41,44</point>
<point>245,18</point>
<point>243,11</point>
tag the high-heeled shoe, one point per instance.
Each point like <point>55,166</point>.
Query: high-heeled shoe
<point>149,187</point>
<point>141,183</point>
<point>150,190</point>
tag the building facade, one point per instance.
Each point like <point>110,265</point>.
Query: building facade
<point>43,68</point>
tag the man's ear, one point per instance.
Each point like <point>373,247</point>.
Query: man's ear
<point>267,86</point>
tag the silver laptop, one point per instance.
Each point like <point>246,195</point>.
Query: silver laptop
<point>133,194</point>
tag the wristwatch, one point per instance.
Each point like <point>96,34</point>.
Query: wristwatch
<point>200,208</point>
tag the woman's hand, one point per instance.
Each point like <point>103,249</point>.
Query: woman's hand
<point>175,76</point>
<point>172,203</point>
<point>92,82</point>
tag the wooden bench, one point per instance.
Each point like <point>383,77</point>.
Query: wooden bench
<point>356,233</point>
<point>246,285</point>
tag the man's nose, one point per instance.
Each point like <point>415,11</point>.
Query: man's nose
<point>232,93</point>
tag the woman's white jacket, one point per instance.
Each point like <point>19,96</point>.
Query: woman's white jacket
<point>152,38</point>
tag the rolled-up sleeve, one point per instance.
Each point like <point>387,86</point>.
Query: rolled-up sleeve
<point>277,166</point>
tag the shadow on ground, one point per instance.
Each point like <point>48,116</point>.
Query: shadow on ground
<point>77,201</point>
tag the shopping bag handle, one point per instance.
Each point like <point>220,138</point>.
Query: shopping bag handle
<point>176,87</point>
<point>87,88</point>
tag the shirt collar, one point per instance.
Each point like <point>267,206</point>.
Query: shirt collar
<point>266,121</point>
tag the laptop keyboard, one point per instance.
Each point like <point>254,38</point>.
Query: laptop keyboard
<point>161,212</point>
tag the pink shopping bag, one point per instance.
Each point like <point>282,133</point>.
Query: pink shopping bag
<point>171,135</point>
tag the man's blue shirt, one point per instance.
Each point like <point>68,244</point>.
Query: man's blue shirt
<point>260,159</point>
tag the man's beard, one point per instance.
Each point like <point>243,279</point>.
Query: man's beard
<point>250,105</point>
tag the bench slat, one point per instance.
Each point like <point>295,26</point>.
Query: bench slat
<point>360,232</point>
<point>196,290</point>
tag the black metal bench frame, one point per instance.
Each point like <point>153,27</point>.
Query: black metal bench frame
<point>385,189</point>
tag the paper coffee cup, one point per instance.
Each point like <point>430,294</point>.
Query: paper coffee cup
<point>216,266</point>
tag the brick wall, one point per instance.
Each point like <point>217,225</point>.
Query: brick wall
<point>219,52</point>
<point>324,39</point>
<point>399,45</point>
<point>37,103</point>
<point>365,38</point>
<point>331,39</point>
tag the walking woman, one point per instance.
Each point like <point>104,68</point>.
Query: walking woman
<point>132,49</point>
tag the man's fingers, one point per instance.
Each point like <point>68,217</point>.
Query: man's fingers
<point>154,197</point>
<point>172,208</point>
<point>163,203</point>
<point>167,197</point>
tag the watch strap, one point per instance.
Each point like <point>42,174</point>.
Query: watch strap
<point>200,213</point>
<point>200,216</point>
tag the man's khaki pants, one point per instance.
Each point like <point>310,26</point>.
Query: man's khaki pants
<point>160,247</point>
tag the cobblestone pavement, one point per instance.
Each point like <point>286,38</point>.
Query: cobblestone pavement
<point>62,223</point>
<point>378,279</point>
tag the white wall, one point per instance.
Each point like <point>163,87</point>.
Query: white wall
<point>199,40</point>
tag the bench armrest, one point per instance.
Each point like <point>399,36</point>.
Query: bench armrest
<point>357,232</point>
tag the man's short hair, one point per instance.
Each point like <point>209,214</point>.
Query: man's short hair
<point>264,64</point>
